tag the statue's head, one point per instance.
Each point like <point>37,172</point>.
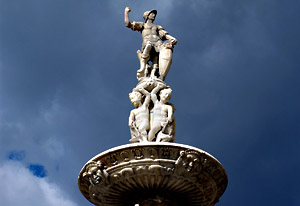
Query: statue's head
<point>93,171</point>
<point>189,161</point>
<point>165,95</point>
<point>135,98</point>
<point>150,15</point>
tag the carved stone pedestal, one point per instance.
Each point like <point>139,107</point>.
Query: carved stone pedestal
<point>147,174</point>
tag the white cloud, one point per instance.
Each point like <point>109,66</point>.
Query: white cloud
<point>20,187</point>
<point>50,113</point>
<point>54,148</point>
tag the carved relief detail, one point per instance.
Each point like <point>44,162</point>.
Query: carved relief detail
<point>112,159</point>
<point>172,167</point>
<point>138,154</point>
<point>152,120</point>
<point>125,155</point>
<point>189,163</point>
<point>96,173</point>
<point>152,153</point>
<point>165,152</point>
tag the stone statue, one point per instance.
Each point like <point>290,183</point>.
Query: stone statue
<point>154,171</point>
<point>161,116</point>
<point>153,47</point>
<point>139,118</point>
<point>152,119</point>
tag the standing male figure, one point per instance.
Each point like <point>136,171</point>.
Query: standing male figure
<point>153,47</point>
<point>161,115</point>
<point>139,120</point>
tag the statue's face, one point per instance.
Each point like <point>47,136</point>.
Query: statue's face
<point>152,16</point>
<point>135,99</point>
<point>93,171</point>
<point>164,96</point>
<point>191,162</point>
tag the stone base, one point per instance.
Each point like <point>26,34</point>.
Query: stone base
<point>153,174</point>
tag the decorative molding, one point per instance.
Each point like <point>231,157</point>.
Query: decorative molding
<point>174,170</point>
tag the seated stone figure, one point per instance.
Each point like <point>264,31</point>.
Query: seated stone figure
<point>153,47</point>
<point>139,118</point>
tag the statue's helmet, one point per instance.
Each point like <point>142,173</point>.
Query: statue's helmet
<point>147,13</point>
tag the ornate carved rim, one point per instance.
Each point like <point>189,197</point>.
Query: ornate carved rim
<point>175,171</point>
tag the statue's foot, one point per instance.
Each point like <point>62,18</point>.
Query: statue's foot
<point>161,137</point>
<point>140,70</point>
<point>139,74</point>
<point>161,78</point>
<point>134,140</point>
<point>143,140</point>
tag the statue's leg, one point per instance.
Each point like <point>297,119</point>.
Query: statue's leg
<point>154,129</point>
<point>144,136</point>
<point>161,137</point>
<point>134,135</point>
<point>155,66</point>
<point>139,54</point>
<point>165,61</point>
<point>145,57</point>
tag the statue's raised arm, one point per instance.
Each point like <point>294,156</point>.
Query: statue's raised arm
<point>157,46</point>
<point>126,17</point>
<point>135,26</point>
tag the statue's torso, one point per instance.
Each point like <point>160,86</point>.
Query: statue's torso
<point>150,33</point>
<point>159,113</point>
<point>141,115</point>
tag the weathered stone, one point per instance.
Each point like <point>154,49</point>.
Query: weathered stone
<point>152,171</point>
<point>152,119</point>
<point>153,174</point>
<point>157,46</point>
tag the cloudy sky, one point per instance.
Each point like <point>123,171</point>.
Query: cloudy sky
<point>67,66</point>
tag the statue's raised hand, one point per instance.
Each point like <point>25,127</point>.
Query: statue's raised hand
<point>127,10</point>
<point>173,41</point>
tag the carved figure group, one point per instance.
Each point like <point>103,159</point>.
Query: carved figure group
<point>157,46</point>
<point>152,119</point>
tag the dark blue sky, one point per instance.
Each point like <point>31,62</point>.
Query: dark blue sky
<point>67,66</point>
